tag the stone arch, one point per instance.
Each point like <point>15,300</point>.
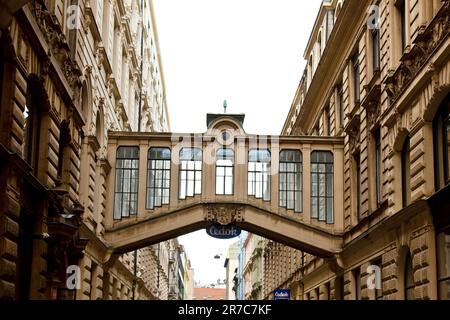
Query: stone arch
<point>404,253</point>
<point>400,138</point>
<point>86,101</point>
<point>100,126</point>
<point>433,102</point>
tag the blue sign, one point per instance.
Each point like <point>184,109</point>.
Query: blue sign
<point>223,232</point>
<point>282,294</point>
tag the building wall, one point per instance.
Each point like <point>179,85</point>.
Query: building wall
<point>400,99</point>
<point>77,81</point>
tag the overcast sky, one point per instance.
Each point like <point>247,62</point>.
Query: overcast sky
<point>249,52</point>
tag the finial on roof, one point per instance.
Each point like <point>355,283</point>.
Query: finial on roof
<point>225,106</point>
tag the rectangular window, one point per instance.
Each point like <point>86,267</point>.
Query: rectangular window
<point>127,181</point>
<point>190,172</point>
<point>357,278</point>
<point>158,177</point>
<point>376,49</point>
<point>259,174</point>
<point>322,186</point>
<point>224,171</point>
<point>378,164</point>
<point>401,7</point>
<point>291,180</point>
<point>357,166</point>
<point>328,120</point>
<point>356,78</point>
<point>443,255</point>
<point>340,90</point>
<point>406,175</point>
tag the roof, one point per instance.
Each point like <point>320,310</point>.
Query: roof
<point>211,117</point>
<point>210,294</point>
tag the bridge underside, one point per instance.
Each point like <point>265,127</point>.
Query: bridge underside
<point>286,230</point>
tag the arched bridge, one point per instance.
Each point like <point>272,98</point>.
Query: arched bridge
<point>162,185</point>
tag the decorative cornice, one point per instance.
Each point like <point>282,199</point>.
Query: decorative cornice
<point>413,60</point>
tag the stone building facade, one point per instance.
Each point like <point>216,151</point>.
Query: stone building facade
<point>384,85</point>
<point>69,72</point>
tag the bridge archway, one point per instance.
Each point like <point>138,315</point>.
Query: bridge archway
<point>132,235</point>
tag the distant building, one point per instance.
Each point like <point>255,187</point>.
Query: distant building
<point>210,294</point>
<point>231,263</point>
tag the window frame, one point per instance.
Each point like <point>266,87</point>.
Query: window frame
<point>376,51</point>
<point>356,78</point>
<point>225,176</point>
<point>164,172</point>
<point>357,172</point>
<point>406,172</point>
<point>442,144</point>
<point>117,169</point>
<point>328,219</point>
<point>286,190</point>
<point>195,171</point>
<point>262,172</point>
<point>378,166</point>
<point>340,92</point>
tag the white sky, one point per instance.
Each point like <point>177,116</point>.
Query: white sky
<point>249,52</point>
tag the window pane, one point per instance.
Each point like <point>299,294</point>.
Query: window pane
<point>198,186</point>
<point>229,185</point>
<point>219,185</point>
<point>322,209</point>
<point>314,205</point>
<point>190,187</point>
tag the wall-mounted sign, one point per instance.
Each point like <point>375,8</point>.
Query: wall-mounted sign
<point>282,294</point>
<point>223,232</point>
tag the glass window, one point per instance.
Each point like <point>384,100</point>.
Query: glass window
<point>376,49</point>
<point>224,171</point>
<point>401,7</point>
<point>341,103</point>
<point>259,174</point>
<point>378,161</point>
<point>158,177</point>
<point>441,126</point>
<point>356,78</point>
<point>443,256</point>
<point>127,181</point>
<point>31,129</point>
<point>406,176</point>
<point>190,172</point>
<point>291,180</point>
<point>322,186</point>
<point>357,189</point>
<point>409,278</point>
<point>328,120</point>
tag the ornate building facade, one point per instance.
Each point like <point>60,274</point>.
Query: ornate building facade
<point>69,72</point>
<point>378,74</point>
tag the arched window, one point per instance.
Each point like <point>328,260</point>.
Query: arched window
<point>291,180</point>
<point>127,181</point>
<point>224,171</point>
<point>409,278</point>
<point>190,172</point>
<point>322,186</point>
<point>158,177</point>
<point>441,128</point>
<point>259,174</point>
<point>406,175</point>
<point>31,127</point>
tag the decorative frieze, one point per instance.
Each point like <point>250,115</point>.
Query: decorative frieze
<point>224,214</point>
